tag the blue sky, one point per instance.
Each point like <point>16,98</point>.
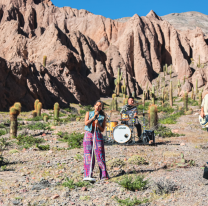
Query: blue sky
<point>115,9</point>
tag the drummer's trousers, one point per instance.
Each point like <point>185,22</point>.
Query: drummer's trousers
<point>98,151</point>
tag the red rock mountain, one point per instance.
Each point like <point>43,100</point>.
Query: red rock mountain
<point>84,52</point>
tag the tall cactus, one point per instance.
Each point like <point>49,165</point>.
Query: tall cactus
<point>14,112</point>
<point>185,101</point>
<point>115,104</point>
<point>39,107</point>
<point>199,64</point>
<point>56,110</point>
<point>45,118</point>
<point>35,104</point>
<point>162,96</point>
<point>123,87</point>
<point>200,99</point>
<point>171,94</point>
<point>118,81</point>
<point>153,94</point>
<point>184,79</point>
<point>133,94</point>
<point>196,86</point>
<point>166,68</point>
<point>179,85</point>
<point>143,98</point>
<point>192,93</point>
<point>34,113</point>
<point>153,119</point>
<point>170,71</point>
<point>44,60</point>
<point>113,96</point>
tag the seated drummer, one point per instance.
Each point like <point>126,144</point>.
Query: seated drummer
<point>132,111</point>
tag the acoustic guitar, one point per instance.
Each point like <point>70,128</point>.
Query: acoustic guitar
<point>203,121</point>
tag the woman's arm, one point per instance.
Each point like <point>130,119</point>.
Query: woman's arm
<point>101,128</point>
<point>87,120</point>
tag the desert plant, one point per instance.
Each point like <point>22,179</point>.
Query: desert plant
<point>199,64</point>
<point>117,82</point>
<point>129,202</point>
<point>171,94</point>
<point>74,139</point>
<point>56,110</point>
<point>196,86</point>
<point>14,112</point>
<point>185,101</point>
<point>192,93</point>
<point>133,94</point>
<point>143,98</point>
<point>72,185</point>
<point>153,94</point>
<point>27,141</point>
<point>153,119</point>
<point>170,70</point>
<point>137,160</point>
<point>45,118</point>
<point>35,104</point>
<point>130,183</point>
<point>39,107</point>
<point>200,99</point>
<point>123,87</point>
<point>34,113</point>
<point>113,96</point>
<point>43,147</point>
<point>44,60</point>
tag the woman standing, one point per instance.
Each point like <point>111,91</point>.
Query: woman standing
<point>96,117</point>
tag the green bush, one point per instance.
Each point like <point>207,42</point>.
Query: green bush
<point>74,139</point>
<point>37,118</point>
<point>163,131</point>
<point>43,147</point>
<point>167,109</point>
<point>140,107</point>
<point>129,202</point>
<point>72,185</point>
<point>172,118</point>
<point>82,111</point>
<point>138,183</point>
<point>2,132</point>
<point>28,141</point>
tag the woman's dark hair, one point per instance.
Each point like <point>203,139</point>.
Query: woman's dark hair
<point>101,111</point>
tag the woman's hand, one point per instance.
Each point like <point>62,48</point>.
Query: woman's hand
<point>96,114</point>
<point>97,123</point>
<point>202,114</point>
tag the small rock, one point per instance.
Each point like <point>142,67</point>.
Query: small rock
<point>182,144</point>
<point>84,189</point>
<point>55,196</point>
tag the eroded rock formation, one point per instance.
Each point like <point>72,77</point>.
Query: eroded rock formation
<point>84,52</point>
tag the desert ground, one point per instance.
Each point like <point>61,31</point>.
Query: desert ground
<point>53,175</point>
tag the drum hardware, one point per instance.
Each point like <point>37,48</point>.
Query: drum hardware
<point>148,136</point>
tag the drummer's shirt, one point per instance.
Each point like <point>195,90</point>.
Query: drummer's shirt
<point>205,104</point>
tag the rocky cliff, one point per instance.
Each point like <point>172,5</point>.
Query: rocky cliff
<point>84,52</point>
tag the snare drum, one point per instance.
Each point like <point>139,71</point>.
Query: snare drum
<point>122,133</point>
<point>110,125</point>
<point>124,117</point>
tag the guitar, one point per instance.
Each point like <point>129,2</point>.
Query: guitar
<point>203,121</point>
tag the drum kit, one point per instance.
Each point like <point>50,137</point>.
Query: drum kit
<point>125,133</point>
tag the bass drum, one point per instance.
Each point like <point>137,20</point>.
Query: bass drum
<point>122,133</point>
